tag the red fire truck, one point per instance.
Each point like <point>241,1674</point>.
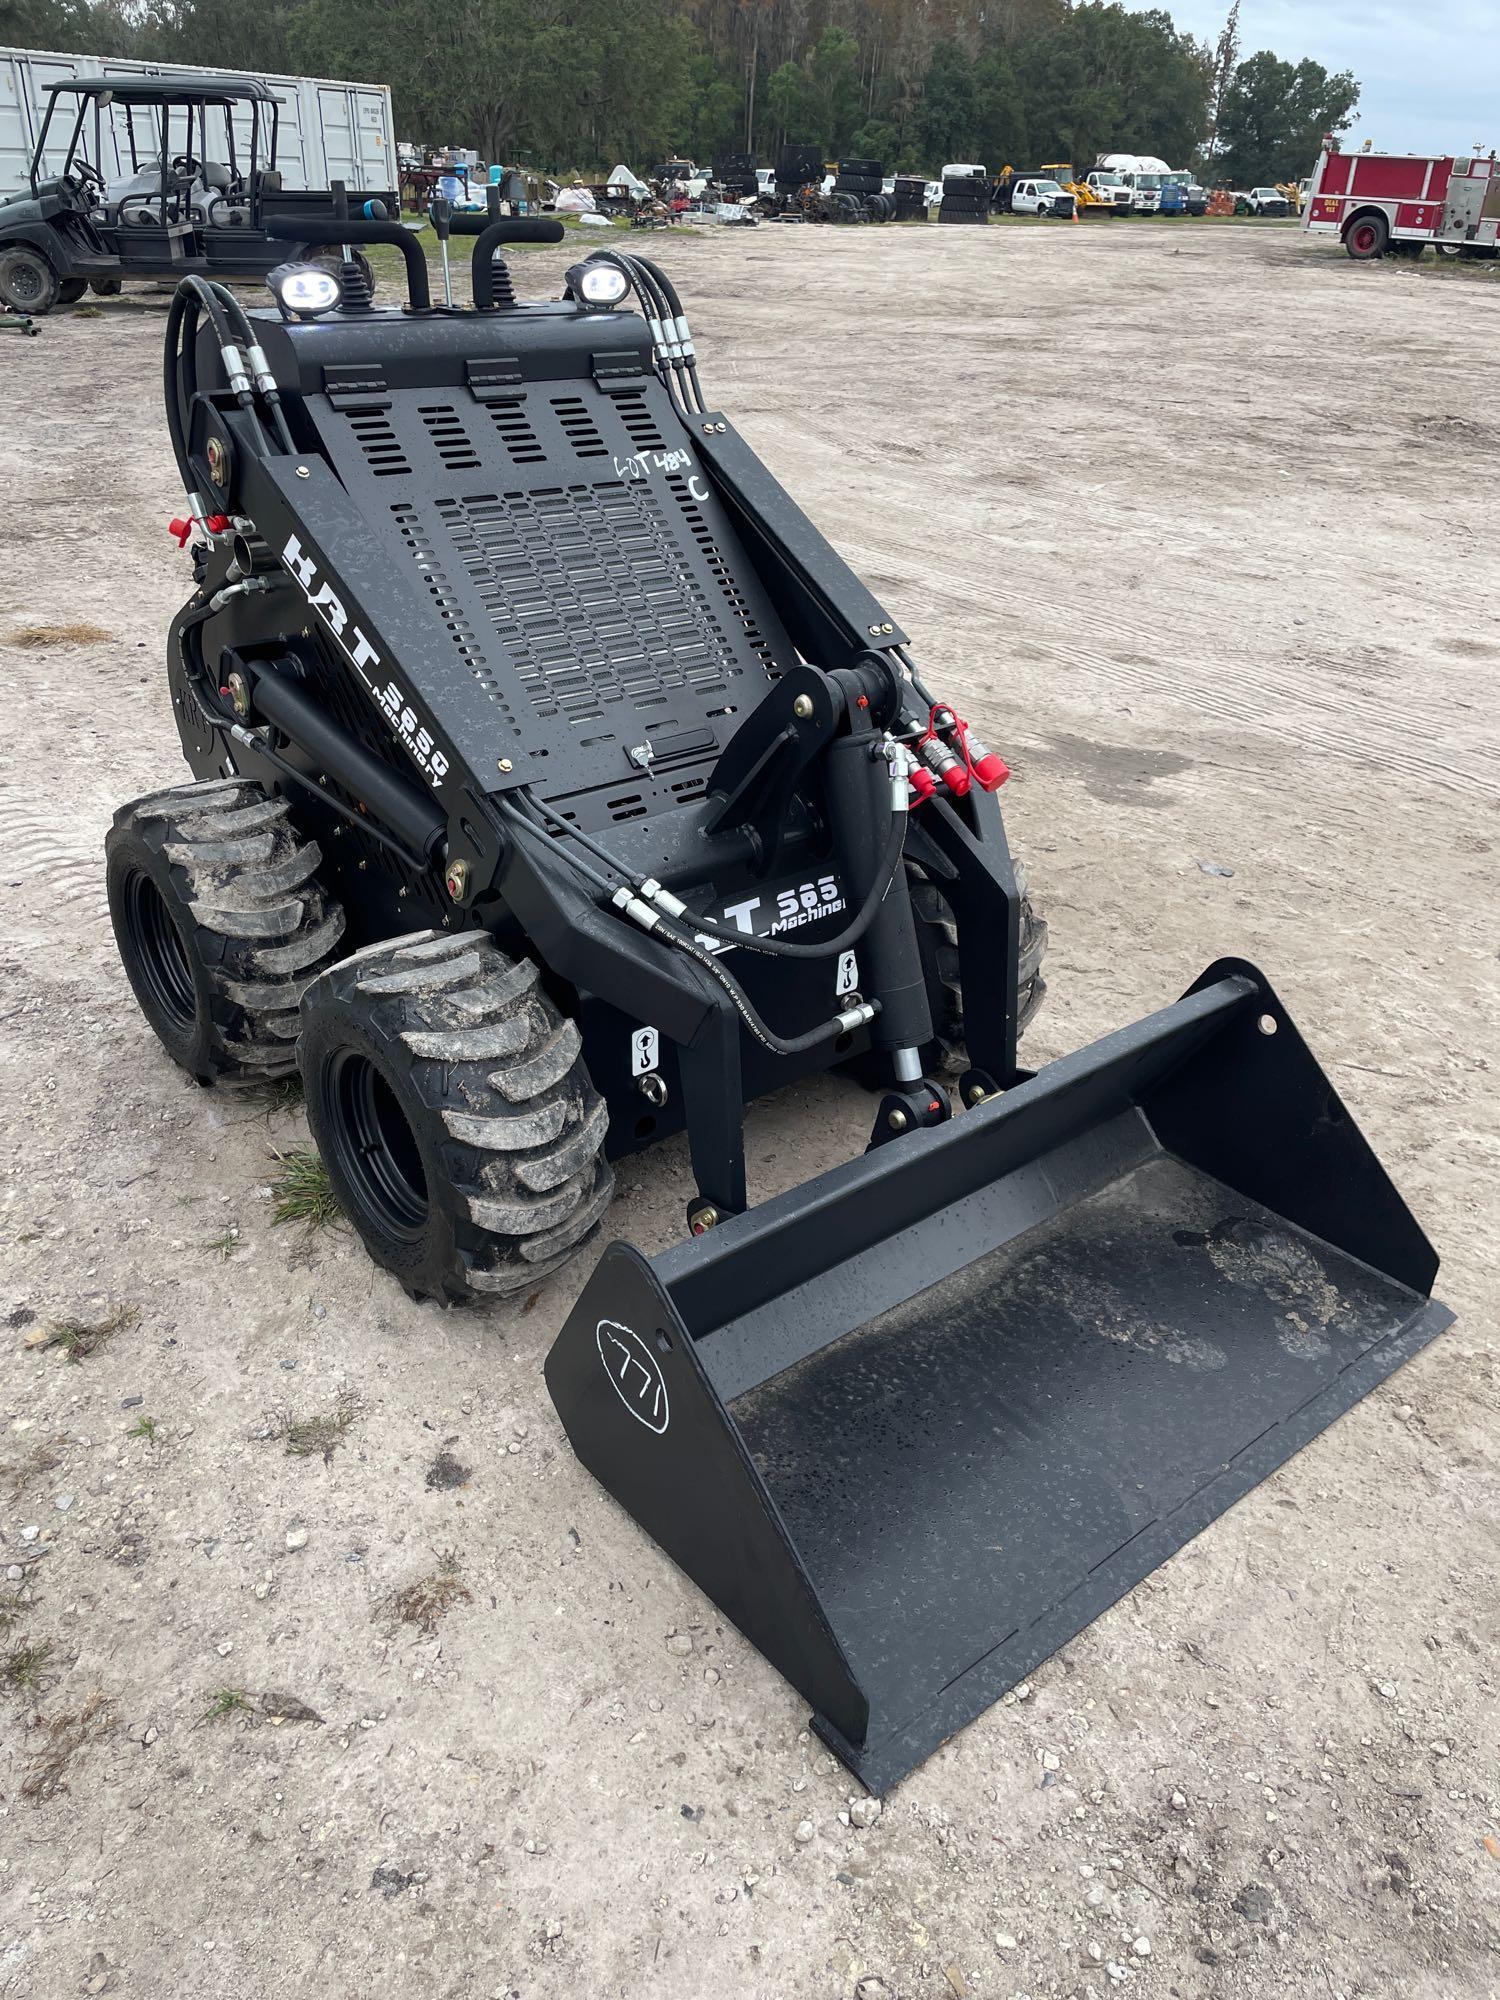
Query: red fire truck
<point>1398,203</point>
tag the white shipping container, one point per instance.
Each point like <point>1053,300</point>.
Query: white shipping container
<point>327,131</point>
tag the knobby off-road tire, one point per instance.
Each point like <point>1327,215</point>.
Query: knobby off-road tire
<point>937,938</point>
<point>450,1103</point>
<point>220,923</point>
<point>28,282</point>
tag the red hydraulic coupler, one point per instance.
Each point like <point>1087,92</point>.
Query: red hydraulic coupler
<point>215,524</point>
<point>976,765</point>
<point>988,766</point>
<point>940,760</point>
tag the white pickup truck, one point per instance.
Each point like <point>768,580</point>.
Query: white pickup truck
<point>1041,197</point>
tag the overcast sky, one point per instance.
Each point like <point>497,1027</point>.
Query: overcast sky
<point>1429,72</point>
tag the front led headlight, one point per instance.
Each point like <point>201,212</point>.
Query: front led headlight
<point>598,284</point>
<point>305,290</point>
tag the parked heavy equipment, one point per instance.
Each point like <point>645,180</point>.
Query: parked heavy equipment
<point>558,787</point>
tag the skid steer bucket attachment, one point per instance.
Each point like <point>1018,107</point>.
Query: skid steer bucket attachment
<point>915,1424</point>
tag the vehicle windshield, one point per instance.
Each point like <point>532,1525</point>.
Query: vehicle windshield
<point>1148,180</point>
<point>1046,187</point>
<point>1106,180</point>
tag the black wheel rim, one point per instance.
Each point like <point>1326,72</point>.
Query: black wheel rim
<point>25,281</point>
<point>374,1147</point>
<point>160,954</point>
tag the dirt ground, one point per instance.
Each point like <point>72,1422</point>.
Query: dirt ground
<point>1199,521</point>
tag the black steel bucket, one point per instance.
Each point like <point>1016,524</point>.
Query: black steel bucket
<point>915,1424</point>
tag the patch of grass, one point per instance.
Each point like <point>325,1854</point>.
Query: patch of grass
<point>225,1702</point>
<point>143,1427</point>
<point>307,1437</point>
<point>80,634</point>
<point>428,1601</point>
<point>81,1338</point>
<point>62,1738</point>
<point>12,1609</point>
<point>24,1668</point>
<point>224,1246</point>
<point>302,1191</point>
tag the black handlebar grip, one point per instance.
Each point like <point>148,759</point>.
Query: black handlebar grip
<point>340,194</point>
<point>518,228</point>
<point>440,214</point>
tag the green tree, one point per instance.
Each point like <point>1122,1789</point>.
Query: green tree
<point>833,90</point>
<point>946,118</point>
<point>1274,117</point>
<point>788,99</point>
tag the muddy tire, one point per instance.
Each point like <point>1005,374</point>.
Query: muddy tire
<point>449,1101</point>
<point>220,924</point>
<point>28,283</point>
<point>937,938</point>
<point>71,290</point>
<point>1367,236</point>
<point>106,288</point>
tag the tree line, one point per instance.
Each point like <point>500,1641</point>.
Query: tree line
<point>575,85</point>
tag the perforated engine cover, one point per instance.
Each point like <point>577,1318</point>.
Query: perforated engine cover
<point>582,567</point>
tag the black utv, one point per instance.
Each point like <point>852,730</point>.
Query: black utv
<point>193,201</point>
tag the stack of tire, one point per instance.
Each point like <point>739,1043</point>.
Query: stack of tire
<point>966,198</point>
<point>862,179</point>
<point>911,198</point>
<point>797,167</point>
<point>735,173</point>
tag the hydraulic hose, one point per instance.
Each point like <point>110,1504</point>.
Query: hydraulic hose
<point>885,874</point>
<point>665,930</point>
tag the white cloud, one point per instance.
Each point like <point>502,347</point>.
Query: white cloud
<point>1429,77</point>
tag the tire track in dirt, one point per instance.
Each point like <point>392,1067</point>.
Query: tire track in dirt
<point>1270,700</point>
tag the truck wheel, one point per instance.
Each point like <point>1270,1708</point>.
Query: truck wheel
<point>106,288</point>
<point>937,939</point>
<point>449,1101</point>
<point>71,290</point>
<point>220,924</point>
<point>1367,236</point>
<point>28,283</point>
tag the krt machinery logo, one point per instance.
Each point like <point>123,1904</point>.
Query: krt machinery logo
<point>634,1373</point>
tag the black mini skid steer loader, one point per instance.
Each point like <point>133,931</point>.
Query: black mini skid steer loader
<point>558,788</point>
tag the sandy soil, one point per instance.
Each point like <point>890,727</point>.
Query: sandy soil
<point>1199,521</point>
